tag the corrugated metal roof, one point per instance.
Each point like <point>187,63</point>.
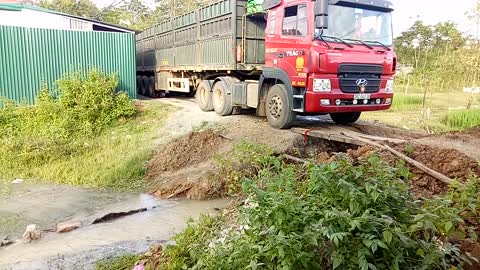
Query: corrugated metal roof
<point>31,57</point>
<point>19,7</point>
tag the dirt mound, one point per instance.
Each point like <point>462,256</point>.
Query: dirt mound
<point>186,151</point>
<point>449,162</point>
<point>180,168</point>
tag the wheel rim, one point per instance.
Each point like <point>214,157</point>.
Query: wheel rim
<point>204,95</point>
<point>275,107</point>
<point>218,98</point>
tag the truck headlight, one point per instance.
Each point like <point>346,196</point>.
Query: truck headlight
<point>322,85</point>
<point>389,88</point>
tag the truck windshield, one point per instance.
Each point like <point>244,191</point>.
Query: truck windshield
<point>353,25</point>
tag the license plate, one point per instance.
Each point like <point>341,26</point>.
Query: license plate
<point>361,96</point>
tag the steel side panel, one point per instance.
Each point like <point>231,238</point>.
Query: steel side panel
<point>33,57</point>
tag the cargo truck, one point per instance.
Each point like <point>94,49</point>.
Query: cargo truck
<point>298,57</point>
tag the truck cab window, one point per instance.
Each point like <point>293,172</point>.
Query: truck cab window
<point>271,23</point>
<point>295,21</point>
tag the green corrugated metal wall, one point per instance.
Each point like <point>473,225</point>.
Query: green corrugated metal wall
<point>30,57</point>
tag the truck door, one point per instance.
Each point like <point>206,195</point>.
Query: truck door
<point>288,41</point>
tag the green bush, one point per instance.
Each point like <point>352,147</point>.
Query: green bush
<point>462,119</point>
<point>60,125</point>
<point>332,216</point>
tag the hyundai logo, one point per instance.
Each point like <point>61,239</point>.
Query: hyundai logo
<point>362,82</point>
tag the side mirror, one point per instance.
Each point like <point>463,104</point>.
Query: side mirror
<point>321,14</point>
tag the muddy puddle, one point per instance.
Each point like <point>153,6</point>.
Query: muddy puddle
<point>45,205</point>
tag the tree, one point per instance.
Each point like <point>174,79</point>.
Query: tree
<point>474,15</point>
<point>81,8</point>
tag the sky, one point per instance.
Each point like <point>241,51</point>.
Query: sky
<point>407,11</point>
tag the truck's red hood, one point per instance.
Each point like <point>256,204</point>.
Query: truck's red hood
<point>330,59</point>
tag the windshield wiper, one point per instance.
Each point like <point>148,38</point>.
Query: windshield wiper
<point>324,41</point>
<point>361,42</point>
<point>379,43</point>
<point>338,39</point>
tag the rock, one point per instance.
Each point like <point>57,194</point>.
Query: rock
<point>68,226</point>
<point>17,181</point>
<point>5,241</point>
<point>31,233</point>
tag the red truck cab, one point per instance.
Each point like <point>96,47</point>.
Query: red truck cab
<point>336,54</point>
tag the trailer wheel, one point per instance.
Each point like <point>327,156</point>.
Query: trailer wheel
<point>139,85</point>
<point>150,87</point>
<point>279,107</point>
<point>222,101</point>
<point>345,118</point>
<point>203,96</point>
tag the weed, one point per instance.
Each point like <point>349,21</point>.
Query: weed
<point>332,216</point>
<point>409,149</point>
<point>126,262</point>
<point>462,119</point>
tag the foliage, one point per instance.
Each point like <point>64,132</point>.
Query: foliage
<point>86,134</point>
<point>442,58</point>
<point>126,262</point>
<point>462,119</point>
<point>332,216</point>
<point>82,8</point>
<point>245,160</point>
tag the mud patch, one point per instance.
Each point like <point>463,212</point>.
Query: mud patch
<point>180,169</point>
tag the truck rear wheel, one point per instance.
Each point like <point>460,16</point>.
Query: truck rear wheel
<point>203,96</point>
<point>139,85</point>
<point>222,101</point>
<point>345,118</point>
<point>279,107</point>
<point>143,85</point>
<point>150,87</point>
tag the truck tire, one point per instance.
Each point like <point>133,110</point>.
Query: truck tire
<point>279,107</point>
<point>150,89</point>
<point>203,96</point>
<point>139,85</point>
<point>145,86</point>
<point>345,118</point>
<point>222,101</point>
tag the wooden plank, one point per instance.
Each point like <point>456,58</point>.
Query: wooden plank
<point>331,136</point>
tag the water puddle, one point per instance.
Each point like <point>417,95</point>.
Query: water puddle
<point>45,205</point>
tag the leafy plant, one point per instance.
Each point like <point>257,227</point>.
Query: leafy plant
<point>332,216</point>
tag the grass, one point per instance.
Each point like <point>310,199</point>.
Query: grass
<point>407,111</point>
<point>126,262</point>
<point>115,159</point>
<point>406,102</point>
<point>462,119</point>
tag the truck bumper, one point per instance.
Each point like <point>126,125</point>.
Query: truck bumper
<point>313,102</point>
<point>337,101</point>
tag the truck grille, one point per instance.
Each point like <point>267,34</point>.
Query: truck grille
<point>348,74</point>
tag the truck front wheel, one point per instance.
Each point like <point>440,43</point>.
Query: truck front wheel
<point>279,107</point>
<point>203,96</point>
<point>222,101</point>
<point>345,118</point>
